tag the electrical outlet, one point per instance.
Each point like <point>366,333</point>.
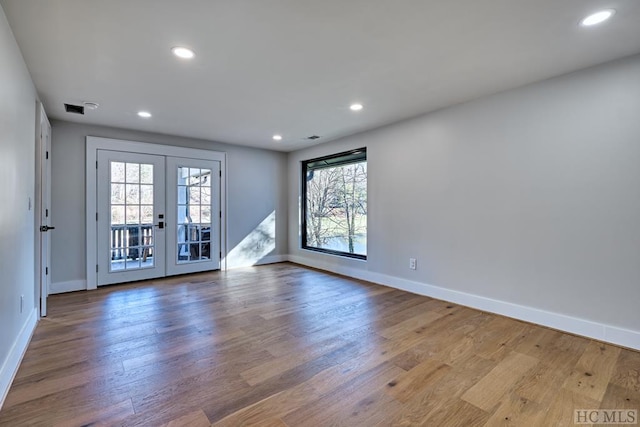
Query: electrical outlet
<point>21,303</point>
<point>412,263</point>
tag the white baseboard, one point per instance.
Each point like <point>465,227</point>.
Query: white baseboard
<point>81,285</point>
<point>12,362</point>
<point>70,286</point>
<point>587,328</point>
<point>272,259</point>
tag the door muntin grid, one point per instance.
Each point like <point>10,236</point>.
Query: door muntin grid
<point>193,215</point>
<point>132,243</point>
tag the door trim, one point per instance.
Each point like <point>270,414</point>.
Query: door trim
<point>94,143</point>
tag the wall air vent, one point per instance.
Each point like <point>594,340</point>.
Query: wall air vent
<point>312,137</point>
<point>75,109</point>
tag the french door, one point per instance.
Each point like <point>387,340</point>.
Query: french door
<point>131,203</point>
<point>193,215</point>
<point>156,216</point>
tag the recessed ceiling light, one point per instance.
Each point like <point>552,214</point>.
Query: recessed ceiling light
<point>356,107</point>
<point>183,52</point>
<point>597,18</point>
<point>277,137</point>
<point>144,114</point>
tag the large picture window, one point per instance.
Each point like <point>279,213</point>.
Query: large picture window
<point>334,204</point>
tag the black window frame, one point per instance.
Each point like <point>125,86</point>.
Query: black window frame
<point>338,159</point>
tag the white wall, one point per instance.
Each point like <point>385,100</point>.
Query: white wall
<point>525,202</point>
<point>256,188</point>
<point>17,172</point>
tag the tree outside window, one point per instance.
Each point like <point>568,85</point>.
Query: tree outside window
<point>335,204</point>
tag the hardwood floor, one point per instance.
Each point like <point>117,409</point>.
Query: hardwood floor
<point>282,345</point>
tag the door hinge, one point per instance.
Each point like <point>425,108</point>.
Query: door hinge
<point>220,214</point>
<point>96,216</point>
<point>220,254</point>
<point>96,164</point>
<point>96,268</point>
<point>47,156</point>
<point>46,213</point>
<point>46,271</point>
<point>220,173</point>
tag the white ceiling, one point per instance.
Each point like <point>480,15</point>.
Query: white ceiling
<point>294,66</point>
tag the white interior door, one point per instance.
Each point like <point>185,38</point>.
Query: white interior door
<point>43,204</point>
<point>130,216</point>
<point>193,215</point>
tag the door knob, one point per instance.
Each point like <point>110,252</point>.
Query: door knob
<point>46,228</point>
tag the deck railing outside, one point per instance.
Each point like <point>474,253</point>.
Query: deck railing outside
<point>131,241</point>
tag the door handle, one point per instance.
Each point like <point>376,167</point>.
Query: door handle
<point>46,228</point>
<point>160,224</point>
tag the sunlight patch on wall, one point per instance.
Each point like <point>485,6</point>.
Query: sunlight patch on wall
<point>257,245</point>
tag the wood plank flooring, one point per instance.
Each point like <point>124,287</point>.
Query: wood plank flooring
<point>283,345</point>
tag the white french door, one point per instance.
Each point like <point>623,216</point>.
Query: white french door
<point>156,216</point>
<point>193,215</point>
<point>130,220</point>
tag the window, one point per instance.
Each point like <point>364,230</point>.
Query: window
<point>334,204</point>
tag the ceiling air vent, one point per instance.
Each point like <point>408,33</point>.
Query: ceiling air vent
<point>75,109</point>
<point>312,137</point>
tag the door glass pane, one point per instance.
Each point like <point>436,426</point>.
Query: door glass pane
<point>205,194</point>
<point>195,251</point>
<point>194,214</point>
<point>206,251</point>
<point>133,194</point>
<point>116,253</point>
<point>206,178</point>
<point>146,194</point>
<point>182,194</point>
<point>133,214</point>
<point>131,240</point>
<point>146,174</point>
<point>147,215</point>
<point>194,233</point>
<point>182,214</point>
<point>182,233</point>
<point>117,194</point>
<point>117,172</point>
<point>194,195</point>
<point>194,176</point>
<point>205,214</point>
<point>117,215</point>
<point>133,173</point>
